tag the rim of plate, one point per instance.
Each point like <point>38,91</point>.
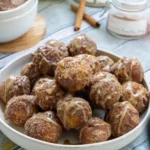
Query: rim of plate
<point>76,146</point>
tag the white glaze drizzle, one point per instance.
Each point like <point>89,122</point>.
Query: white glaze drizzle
<point>122,114</point>
<point>103,78</point>
<point>78,106</point>
<point>138,93</point>
<point>45,118</point>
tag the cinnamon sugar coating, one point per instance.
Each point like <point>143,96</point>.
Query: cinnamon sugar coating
<point>82,44</point>
<point>105,63</point>
<point>47,94</point>
<point>128,69</point>
<point>91,60</point>
<point>19,109</point>
<point>39,82</point>
<point>95,131</point>
<point>136,94</point>
<point>44,126</point>
<point>32,71</point>
<point>73,112</point>
<point>48,55</point>
<point>104,90</point>
<point>123,117</point>
<point>73,74</point>
<point>14,86</point>
<point>58,45</point>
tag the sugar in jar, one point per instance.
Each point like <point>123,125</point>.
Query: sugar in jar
<point>128,18</point>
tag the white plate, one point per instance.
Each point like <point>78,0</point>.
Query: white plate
<point>17,136</point>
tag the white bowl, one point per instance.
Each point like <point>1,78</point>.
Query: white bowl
<point>14,23</point>
<point>17,136</point>
<point>19,10</point>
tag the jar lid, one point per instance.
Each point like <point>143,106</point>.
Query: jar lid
<point>131,5</point>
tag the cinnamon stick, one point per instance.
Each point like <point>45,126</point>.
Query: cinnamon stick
<point>86,17</point>
<point>79,15</point>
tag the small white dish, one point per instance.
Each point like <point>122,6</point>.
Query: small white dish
<point>15,22</point>
<point>16,133</point>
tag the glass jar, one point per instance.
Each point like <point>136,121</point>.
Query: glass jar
<point>128,18</point>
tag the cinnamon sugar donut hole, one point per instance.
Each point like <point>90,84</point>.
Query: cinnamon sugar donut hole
<point>39,82</point>
<point>73,74</point>
<point>128,69</point>
<point>105,63</point>
<point>14,86</point>
<point>32,71</point>
<point>136,94</point>
<point>91,60</point>
<point>82,44</point>
<point>104,90</point>
<point>44,126</point>
<point>95,131</point>
<point>73,112</point>
<point>47,94</point>
<point>58,45</point>
<point>123,117</point>
<point>48,55</point>
<point>19,109</point>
